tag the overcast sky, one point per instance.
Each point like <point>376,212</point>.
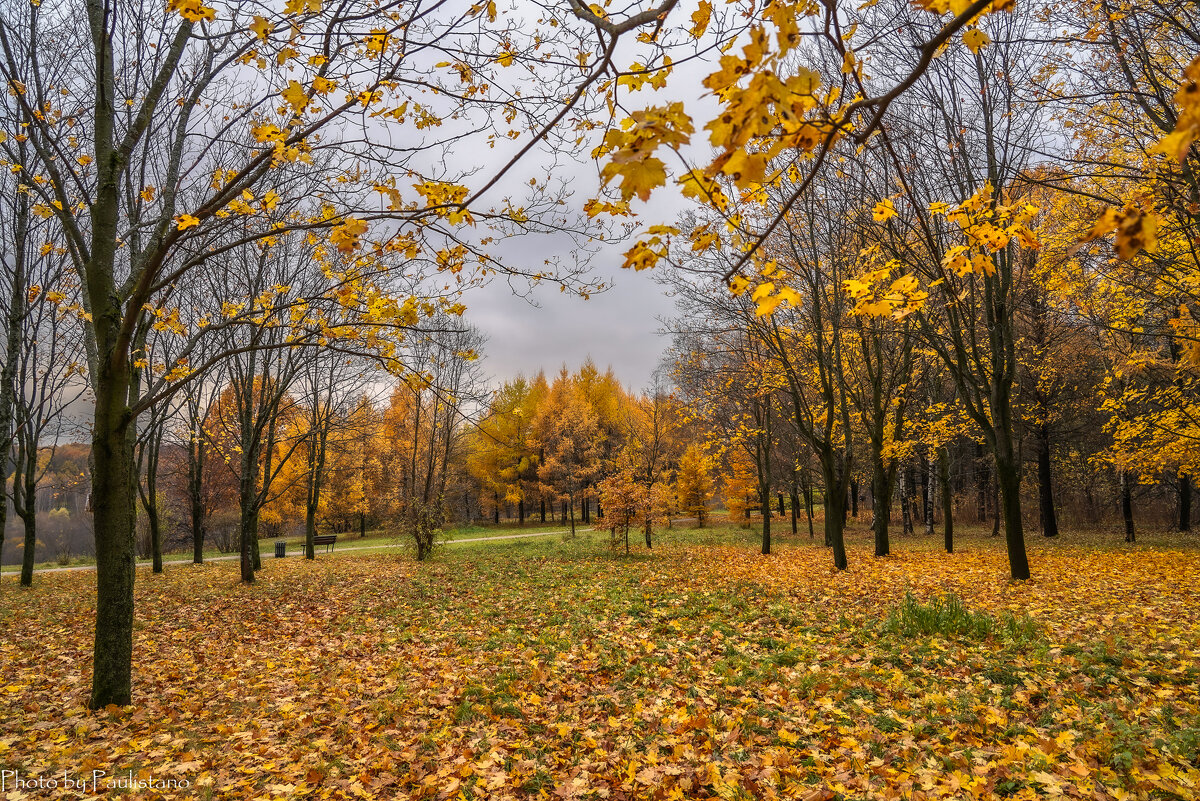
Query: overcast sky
<point>618,327</point>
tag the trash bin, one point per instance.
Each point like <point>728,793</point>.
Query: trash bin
<point>280,549</point>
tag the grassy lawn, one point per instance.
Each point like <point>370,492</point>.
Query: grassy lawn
<point>550,668</point>
<point>375,539</point>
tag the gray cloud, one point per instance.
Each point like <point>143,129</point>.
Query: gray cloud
<point>618,327</point>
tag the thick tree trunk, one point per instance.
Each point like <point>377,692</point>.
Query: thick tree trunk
<point>1045,485</point>
<point>521,512</point>
<point>835,507</point>
<point>248,512</point>
<point>542,505</point>
<point>573,522</point>
<point>153,520</point>
<point>113,499</point>
<point>27,557</point>
<point>947,497</point>
<point>1008,478</point>
<point>248,540</point>
<point>496,508</point>
<point>197,536</point>
<point>310,531</point>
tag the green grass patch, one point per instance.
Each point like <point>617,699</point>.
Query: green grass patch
<point>947,616</point>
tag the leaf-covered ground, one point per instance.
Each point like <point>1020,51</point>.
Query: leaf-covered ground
<point>553,670</point>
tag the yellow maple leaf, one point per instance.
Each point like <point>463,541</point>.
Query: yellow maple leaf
<point>261,27</point>
<point>186,221</point>
<point>302,6</point>
<point>346,235</point>
<point>193,10</point>
<point>295,95</point>
<point>884,210</point>
<point>700,19</point>
<point>641,256</point>
<point>638,177</point>
<point>976,40</point>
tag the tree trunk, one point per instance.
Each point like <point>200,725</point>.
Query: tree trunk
<point>981,484</point>
<point>113,499</point>
<point>248,509</point>
<point>1185,502</point>
<point>496,508</point>
<point>764,502</point>
<point>29,518</point>
<point>152,518</point>
<point>573,522</point>
<point>808,507</point>
<point>927,491</point>
<point>248,537</point>
<point>1008,478</point>
<point>947,496</point>
<point>310,531</point>
<point>1127,508</point>
<point>1045,485</point>
<point>794,499</point>
<point>521,512</point>
<point>542,505</point>
<point>835,508</point>
<point>881,493</point>
<point>196,499</point>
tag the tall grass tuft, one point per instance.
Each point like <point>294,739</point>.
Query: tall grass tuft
<point>947,616</point>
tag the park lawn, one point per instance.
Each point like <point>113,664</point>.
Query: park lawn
<point>548,668</point>
<point>375,539</point>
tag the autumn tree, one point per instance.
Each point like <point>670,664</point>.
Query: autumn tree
<point>693,483</point>
<point>570,436</point>
<point>424,427</point>
<point>47,380</point>
<point>504,456</point>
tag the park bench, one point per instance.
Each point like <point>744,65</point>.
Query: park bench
<point>325,539</point>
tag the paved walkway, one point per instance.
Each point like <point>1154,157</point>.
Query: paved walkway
<point>300,551</point>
